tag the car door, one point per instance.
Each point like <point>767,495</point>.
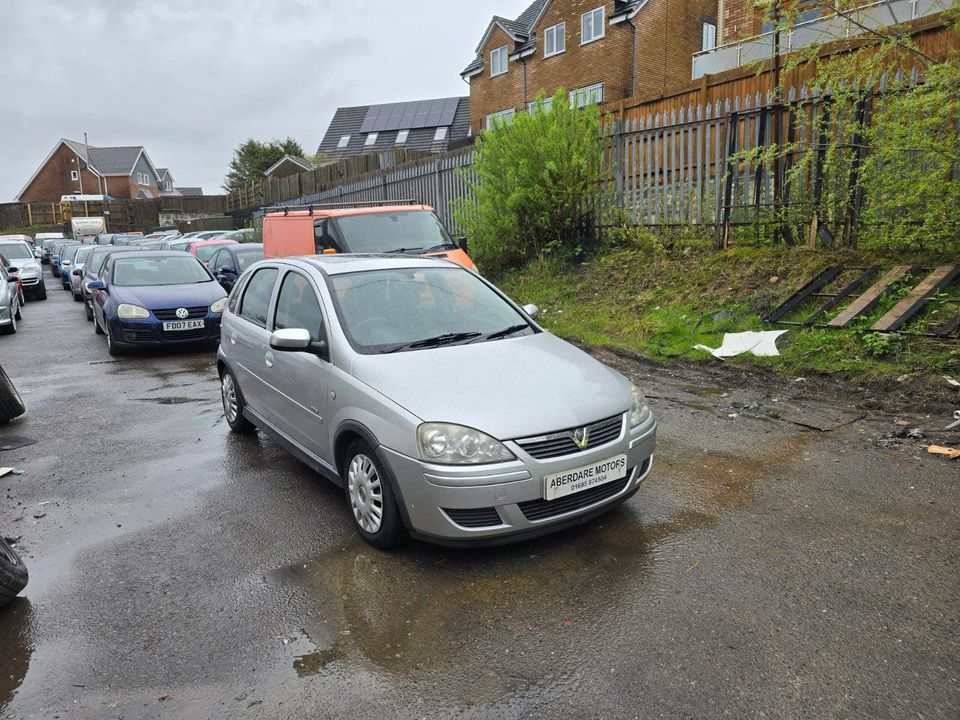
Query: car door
<point>217,262</point>
<point>249,341</point>
<point>300,378</point>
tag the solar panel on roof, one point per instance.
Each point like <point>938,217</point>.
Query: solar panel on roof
<point>410,115</point>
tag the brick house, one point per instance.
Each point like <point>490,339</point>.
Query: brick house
<point>73,168</point>
<point>598,50</point>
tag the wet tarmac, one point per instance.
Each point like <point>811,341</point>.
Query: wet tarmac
<point>778,563</point>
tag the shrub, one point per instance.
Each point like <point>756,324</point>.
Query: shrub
<point>534,185</point>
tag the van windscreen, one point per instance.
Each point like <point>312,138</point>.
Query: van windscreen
<point>390,232</point>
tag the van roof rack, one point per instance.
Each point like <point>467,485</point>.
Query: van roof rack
<point>327,206</point>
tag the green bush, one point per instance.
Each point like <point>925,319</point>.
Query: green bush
<point>535,186</point>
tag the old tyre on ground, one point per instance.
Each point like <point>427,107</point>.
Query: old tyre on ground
<point>11,405</point>
<point>370,498</point>
<point>233,403</point>
<point>13,573</point>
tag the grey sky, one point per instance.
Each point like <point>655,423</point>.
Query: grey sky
<point>191,80</point>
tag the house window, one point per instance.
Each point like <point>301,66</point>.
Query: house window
<point>440,135</point>
<point>802,11</point>
<point>402,137</point>
<point>344,141</point>
<point>540,105</point>
<point>74,175</point>
<point>498,61</point>
<point>371,139</point>
<point>590,95</point>
<point>555,40</point>
<point>708,36</point>
<point>504,117</point>
<point>592,25</point>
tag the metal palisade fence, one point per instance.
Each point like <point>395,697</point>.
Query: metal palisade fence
<point>437,181</point>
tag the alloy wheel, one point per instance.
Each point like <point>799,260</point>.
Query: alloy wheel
<point>366,493</point>
<point>228,392</point>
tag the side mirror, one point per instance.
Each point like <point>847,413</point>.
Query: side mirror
<point>77,272</point>
<point>12,269</point>
<point>66,262</point>
<point>463,243</point>
<point>290,340</point>
<point>96,285</point>
<point>11,279</point>
<point>531,310</point>
<point>228,270</point>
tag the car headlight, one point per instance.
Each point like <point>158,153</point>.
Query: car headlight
<point>449,444</point>
<point>219,306</point>
<point>639,410</point>
<point>132,312</point>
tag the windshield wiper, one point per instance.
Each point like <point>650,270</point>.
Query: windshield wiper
<point>442,246</point>
<point>402,250</point>
<point>437,341</point>
<point>506,332</point>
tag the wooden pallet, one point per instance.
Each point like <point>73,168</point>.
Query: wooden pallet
<point>866,302</point>
<point>936,281</point>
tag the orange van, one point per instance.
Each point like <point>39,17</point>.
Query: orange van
<point>359,228</point>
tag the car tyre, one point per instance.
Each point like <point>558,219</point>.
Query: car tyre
<point>96,325</point>
<point>13,573</point>
<point>19,313</point>
<point>369,493</point>
<point>88,311</point>
<point>41,293</point>
<point>233,404</point>
<point>12,327</point>
<point>111,343</point>
<point>11,405</point>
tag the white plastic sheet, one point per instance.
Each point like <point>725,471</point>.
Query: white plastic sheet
<point>761,344</point>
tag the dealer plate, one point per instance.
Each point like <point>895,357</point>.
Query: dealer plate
<point>583,478</point>
<point>179,325</point>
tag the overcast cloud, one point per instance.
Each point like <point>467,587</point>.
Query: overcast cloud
<point>191,80</point>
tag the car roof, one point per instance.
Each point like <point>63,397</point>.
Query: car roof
<point>218,241</point>
<point>139,252</point>
<point>359,262</point>
<point>12,238</point>
<point>345,212</point>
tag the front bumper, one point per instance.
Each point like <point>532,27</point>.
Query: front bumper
<point>29,281</point>
<point>491,504</point>
<point>149,332</point>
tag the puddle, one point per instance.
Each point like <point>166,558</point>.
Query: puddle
<point>707,392</point>
<point>176,400</point>
<point>425,613</point>
<point>15,648</point>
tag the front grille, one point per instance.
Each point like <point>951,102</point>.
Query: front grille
<point>561,443</point>
<point>541,509</point>
<point>475,517</point>
<point>171,314</point>
<point>175,335</point>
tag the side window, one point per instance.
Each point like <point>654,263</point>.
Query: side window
<point>216,262</point>
<point>323,237</point>
<point>256,297</point>
<point>298,306</point>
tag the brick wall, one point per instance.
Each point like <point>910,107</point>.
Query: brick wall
<point>53,181</point>
<point>738,20</point>
<point>668,33</point>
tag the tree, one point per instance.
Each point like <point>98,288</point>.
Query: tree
<point>889,158</point>
<point>252,158</point>
<point>534,184</point>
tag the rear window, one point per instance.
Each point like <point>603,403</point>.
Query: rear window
<point>247,257</point>
<point>205,252</point>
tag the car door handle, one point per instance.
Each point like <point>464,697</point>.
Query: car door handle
<point>268,359</point>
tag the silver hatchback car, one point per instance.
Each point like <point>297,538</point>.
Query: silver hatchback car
<point>440,406</point>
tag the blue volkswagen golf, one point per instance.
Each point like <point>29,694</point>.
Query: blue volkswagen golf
<point>156,298</point>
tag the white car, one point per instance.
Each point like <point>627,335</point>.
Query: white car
<point>19,254</point>
<point>9,302</point>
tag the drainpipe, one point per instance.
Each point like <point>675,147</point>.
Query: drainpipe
<point>523,99</point>
<point>633,61</point>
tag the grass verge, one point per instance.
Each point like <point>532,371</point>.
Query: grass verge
<point>662,305</point>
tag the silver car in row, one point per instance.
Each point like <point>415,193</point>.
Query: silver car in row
<point>439,405</point>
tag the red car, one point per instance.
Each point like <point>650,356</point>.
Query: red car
<point>205,249</point>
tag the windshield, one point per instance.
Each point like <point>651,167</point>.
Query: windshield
<point>126,239</point>
<point>205,252</point>
<point>418,230</point>
<point>154,271</point>
<point>247,257</point>
<point>386,310</point>
<point>82,254</point>
<point>16,251</point>
<point>178,245</point>
<point>47,244</point>
<point>69,251</point>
